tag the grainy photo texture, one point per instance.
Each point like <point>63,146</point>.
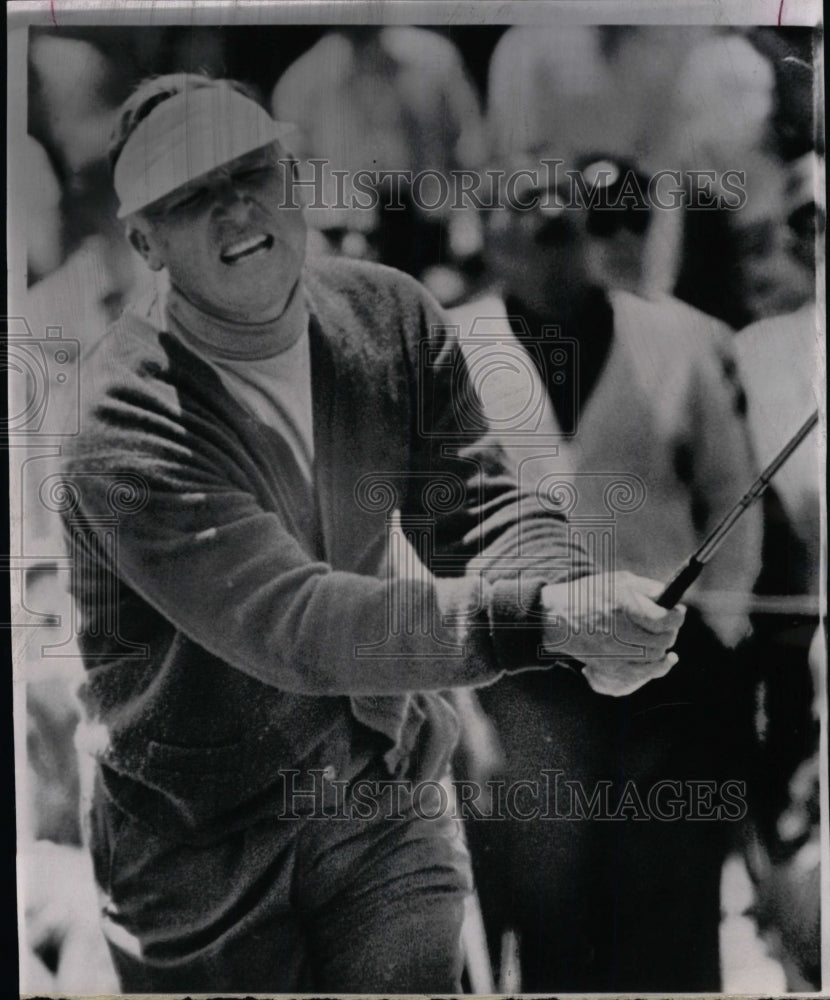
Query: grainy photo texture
<point>416,435</point>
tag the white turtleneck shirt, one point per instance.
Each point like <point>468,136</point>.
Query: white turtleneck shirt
<point>266,367</point>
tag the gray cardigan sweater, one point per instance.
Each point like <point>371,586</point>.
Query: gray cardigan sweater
<point>236,622</point>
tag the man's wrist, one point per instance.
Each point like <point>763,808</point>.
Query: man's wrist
<point>517,619</point>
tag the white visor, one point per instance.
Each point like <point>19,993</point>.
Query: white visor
<point>185,137</point>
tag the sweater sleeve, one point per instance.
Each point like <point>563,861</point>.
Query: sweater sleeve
<point>511,539</point>
<point>199,547</point>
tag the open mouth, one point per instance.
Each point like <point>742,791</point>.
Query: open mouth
<point>245,249</point>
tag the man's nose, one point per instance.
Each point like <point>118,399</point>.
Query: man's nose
<point>228,198</point>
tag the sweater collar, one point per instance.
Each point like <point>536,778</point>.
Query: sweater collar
<point>227,340</point>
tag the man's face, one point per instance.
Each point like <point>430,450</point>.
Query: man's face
<point>233,241</point>
<point>587,232</point>
<point>540,260</point>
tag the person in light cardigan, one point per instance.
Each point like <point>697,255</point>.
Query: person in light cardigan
<point>255,450</point>
<point>609,385</point>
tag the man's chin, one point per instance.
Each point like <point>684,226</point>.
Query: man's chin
<point>257,307</point>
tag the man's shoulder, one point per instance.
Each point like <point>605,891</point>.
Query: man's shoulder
<point>798,329</point>
<point>347,272</point>
<point>789,346</point>
<point>133,378</point>
<point>671,333</point>
<point>667,318</point>
<point>678,345</point>
<point>133,346</point>
<point>328,62</point>
<point>420,49</point>
<point>367,290</point>
<point>374,318</point>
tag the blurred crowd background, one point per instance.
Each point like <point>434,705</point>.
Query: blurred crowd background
<point>477,98</point>
<point>469,97</point>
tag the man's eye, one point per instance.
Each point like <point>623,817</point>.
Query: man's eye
<point>250,173</point>
<point>188,199</point>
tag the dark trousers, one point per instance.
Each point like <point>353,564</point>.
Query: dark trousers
<point>344,905</point>
<point>607,905</point>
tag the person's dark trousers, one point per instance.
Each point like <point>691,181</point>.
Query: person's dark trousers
<point>609,905</point>
<point>346,905</point>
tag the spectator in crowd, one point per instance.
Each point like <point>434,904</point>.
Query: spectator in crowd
<point>388,100</point>
<point>75,95</point>
<point>740,265</point>
<point>737,264</point>
<point>780,361</point>
<point>651,396</point>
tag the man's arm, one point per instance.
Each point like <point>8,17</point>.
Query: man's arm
<point>203,551</point>
<point>609,623</point>
<point>723,468</point>
<point>227,573</point>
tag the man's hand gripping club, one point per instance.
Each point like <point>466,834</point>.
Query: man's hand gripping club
<point>612,623</point>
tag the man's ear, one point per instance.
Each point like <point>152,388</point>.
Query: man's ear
<point>143,244</point>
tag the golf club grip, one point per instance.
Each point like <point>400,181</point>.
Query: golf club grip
<point>680,583</point>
